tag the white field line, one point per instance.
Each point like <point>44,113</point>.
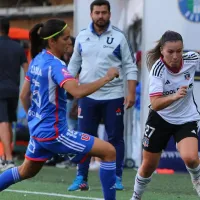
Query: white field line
<point>52,194</point>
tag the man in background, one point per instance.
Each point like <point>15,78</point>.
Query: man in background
<point>12,58</point>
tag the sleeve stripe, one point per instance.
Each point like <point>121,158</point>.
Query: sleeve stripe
<point>157,69</point>
<point>68,79</point>
<point>27,78</point>
<point>156,94</point>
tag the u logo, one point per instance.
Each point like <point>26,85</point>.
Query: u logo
<point>109,41</point>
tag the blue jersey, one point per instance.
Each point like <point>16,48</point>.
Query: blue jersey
<point>47,114</point>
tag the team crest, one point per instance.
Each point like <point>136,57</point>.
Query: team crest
<point>145,141</point>
<point>190,9</point>
<point>85,137</point>
<point>187,75</point>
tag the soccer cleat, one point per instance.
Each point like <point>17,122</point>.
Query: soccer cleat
<point>118,184</point>
<point>196,185</point>
<point>79,184</point>
<point>7,165</point>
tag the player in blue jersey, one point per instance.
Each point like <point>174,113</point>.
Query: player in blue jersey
<point>43,97</point>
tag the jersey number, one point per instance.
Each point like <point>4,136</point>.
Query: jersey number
<point>36,97</point>
<point>149,131</point>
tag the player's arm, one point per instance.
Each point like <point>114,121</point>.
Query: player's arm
<point>156,87</point>
<point>25,95</point>
<point>25,67</point>
<point>160,102</point>
<point>79,91</point>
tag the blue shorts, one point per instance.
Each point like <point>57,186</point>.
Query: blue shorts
<point>76,145</point>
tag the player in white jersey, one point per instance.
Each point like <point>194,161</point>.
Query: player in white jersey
<point>173,111</point>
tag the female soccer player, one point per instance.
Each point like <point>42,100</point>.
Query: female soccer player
<point>173,111</point>
<point>44,99</point>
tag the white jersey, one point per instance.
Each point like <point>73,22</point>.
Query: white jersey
<point>163,82</point>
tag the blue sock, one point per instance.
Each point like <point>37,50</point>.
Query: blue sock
<point>108,178</point>
<point>9,177</point>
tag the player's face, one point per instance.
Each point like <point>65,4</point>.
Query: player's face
<point>172,53</point>
<point>61,44</point>
<point>100,16</point>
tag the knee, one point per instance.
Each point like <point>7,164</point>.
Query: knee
<point>191,161</point>
<point>110,153</point>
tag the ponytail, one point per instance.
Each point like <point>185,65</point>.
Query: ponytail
<point>41,33</point>
<point>153,55</point>
<point>36,40</point>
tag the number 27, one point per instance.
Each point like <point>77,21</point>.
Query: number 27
<point>149,131</point>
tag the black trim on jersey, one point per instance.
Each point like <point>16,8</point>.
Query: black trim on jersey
<point>189,55</point>
<point>195,103</point>
<point>193,56</point>
<point>157,69</point>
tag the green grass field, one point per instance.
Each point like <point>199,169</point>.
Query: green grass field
<point>51,183</point>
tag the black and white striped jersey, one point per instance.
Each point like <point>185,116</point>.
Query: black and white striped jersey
<point>163,82</point>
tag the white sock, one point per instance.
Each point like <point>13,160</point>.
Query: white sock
<point>194,173</point>
<point>140,185</point>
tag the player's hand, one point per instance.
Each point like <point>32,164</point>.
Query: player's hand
<point>112,73</point>
<point>182,91</point>
<point>129,101</point>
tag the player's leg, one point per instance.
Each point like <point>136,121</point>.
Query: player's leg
<point>106,152</point>
<point>143,177</point>
<point>187,143</point>
<point>88,120</point>
<point>113,112</point>
<point>35,159</point>
<point>5,134</point>
<point>16,174</point>
<point>78,146</point>
<point>156,136</point>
